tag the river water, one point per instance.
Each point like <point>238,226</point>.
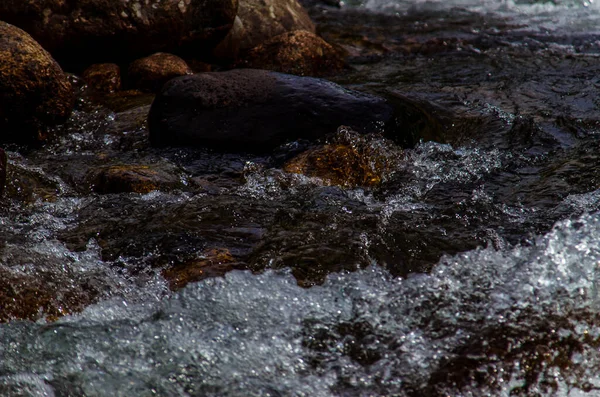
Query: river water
<point>471,269</point>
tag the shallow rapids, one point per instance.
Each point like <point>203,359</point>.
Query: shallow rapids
<point>488,321</point>
<point>469,267</point>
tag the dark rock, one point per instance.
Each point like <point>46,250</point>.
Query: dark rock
<point>228,49</point>
<point>152,72</point>
<point>133,178</point>
<point>124,100</point>
<point>256,110</point>
<point>94,31</point>
<point>103,77</point>
<point>299,52</point>
<point>34,92</point>
<point>321,3</point>
<point>3,164</point>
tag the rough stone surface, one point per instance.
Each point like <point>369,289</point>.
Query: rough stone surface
<point>350,160</point>
<point>94,31</point>
<point>103,77</point>
<point>152,72</point>
<point>299,52</point>
<point>3,164</point>
<point>264,19</point>
<point>34,92</point>
<point>253,110</point>
<point>133,178</point>
<point>213,262</point>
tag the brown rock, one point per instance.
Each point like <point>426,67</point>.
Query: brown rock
<point>93,31</point>
<point>152,72</point>
<point>34,92</point>
<point>213,262</point>
<point>269,18</point>
<point>351,160</point>
<point>42,295</point>
<point>133,178</point>
<point>299,52</point>
<point>103,77</point>
<point>258,21</point>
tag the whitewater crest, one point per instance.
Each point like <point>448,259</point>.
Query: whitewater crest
<point>521,320</point>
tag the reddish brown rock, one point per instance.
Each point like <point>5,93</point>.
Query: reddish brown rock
<point>133,178</point>
<point>35,94</point>
<point>41,295</point>
<point>103,77</point>
<point>213,262</point>
<point>299,52</point>
<point>352,160</point>
<point>152,72</point>
<point>83,32</point>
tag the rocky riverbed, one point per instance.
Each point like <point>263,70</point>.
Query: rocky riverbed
<point>422,223</point>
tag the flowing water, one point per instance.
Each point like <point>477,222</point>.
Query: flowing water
<point>471,268</point>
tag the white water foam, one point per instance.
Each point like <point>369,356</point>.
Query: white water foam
<point>359,334</point>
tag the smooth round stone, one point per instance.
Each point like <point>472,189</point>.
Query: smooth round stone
<point>253,110</point>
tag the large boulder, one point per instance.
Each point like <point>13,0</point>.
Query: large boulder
<point>263,19</point>
<point>34,92</point>
<point>299,52</point>
<point>256,110</point>
<point>92,31</point>
<point>259,20</point>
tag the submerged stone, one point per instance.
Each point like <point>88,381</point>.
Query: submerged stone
<point>253,110</point>
<point>133,178</point>
<point>35,94</point>
<point>213,262</point>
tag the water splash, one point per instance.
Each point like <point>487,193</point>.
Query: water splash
<point>524,319</point>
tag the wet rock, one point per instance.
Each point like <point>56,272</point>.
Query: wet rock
<point>126,100</point>
<point>134,178</point>
<point>92,31</point>
<point>103,77</point>
<point>251,110</point>
<point>213,262</point>
<point>35,93</point>
<point>42,295</point>
<point>299,52</point>
<point>152,72</point>
<point>3,164</point>
<point>350,160</point>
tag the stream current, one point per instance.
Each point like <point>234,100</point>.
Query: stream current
<point>471,269</point>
